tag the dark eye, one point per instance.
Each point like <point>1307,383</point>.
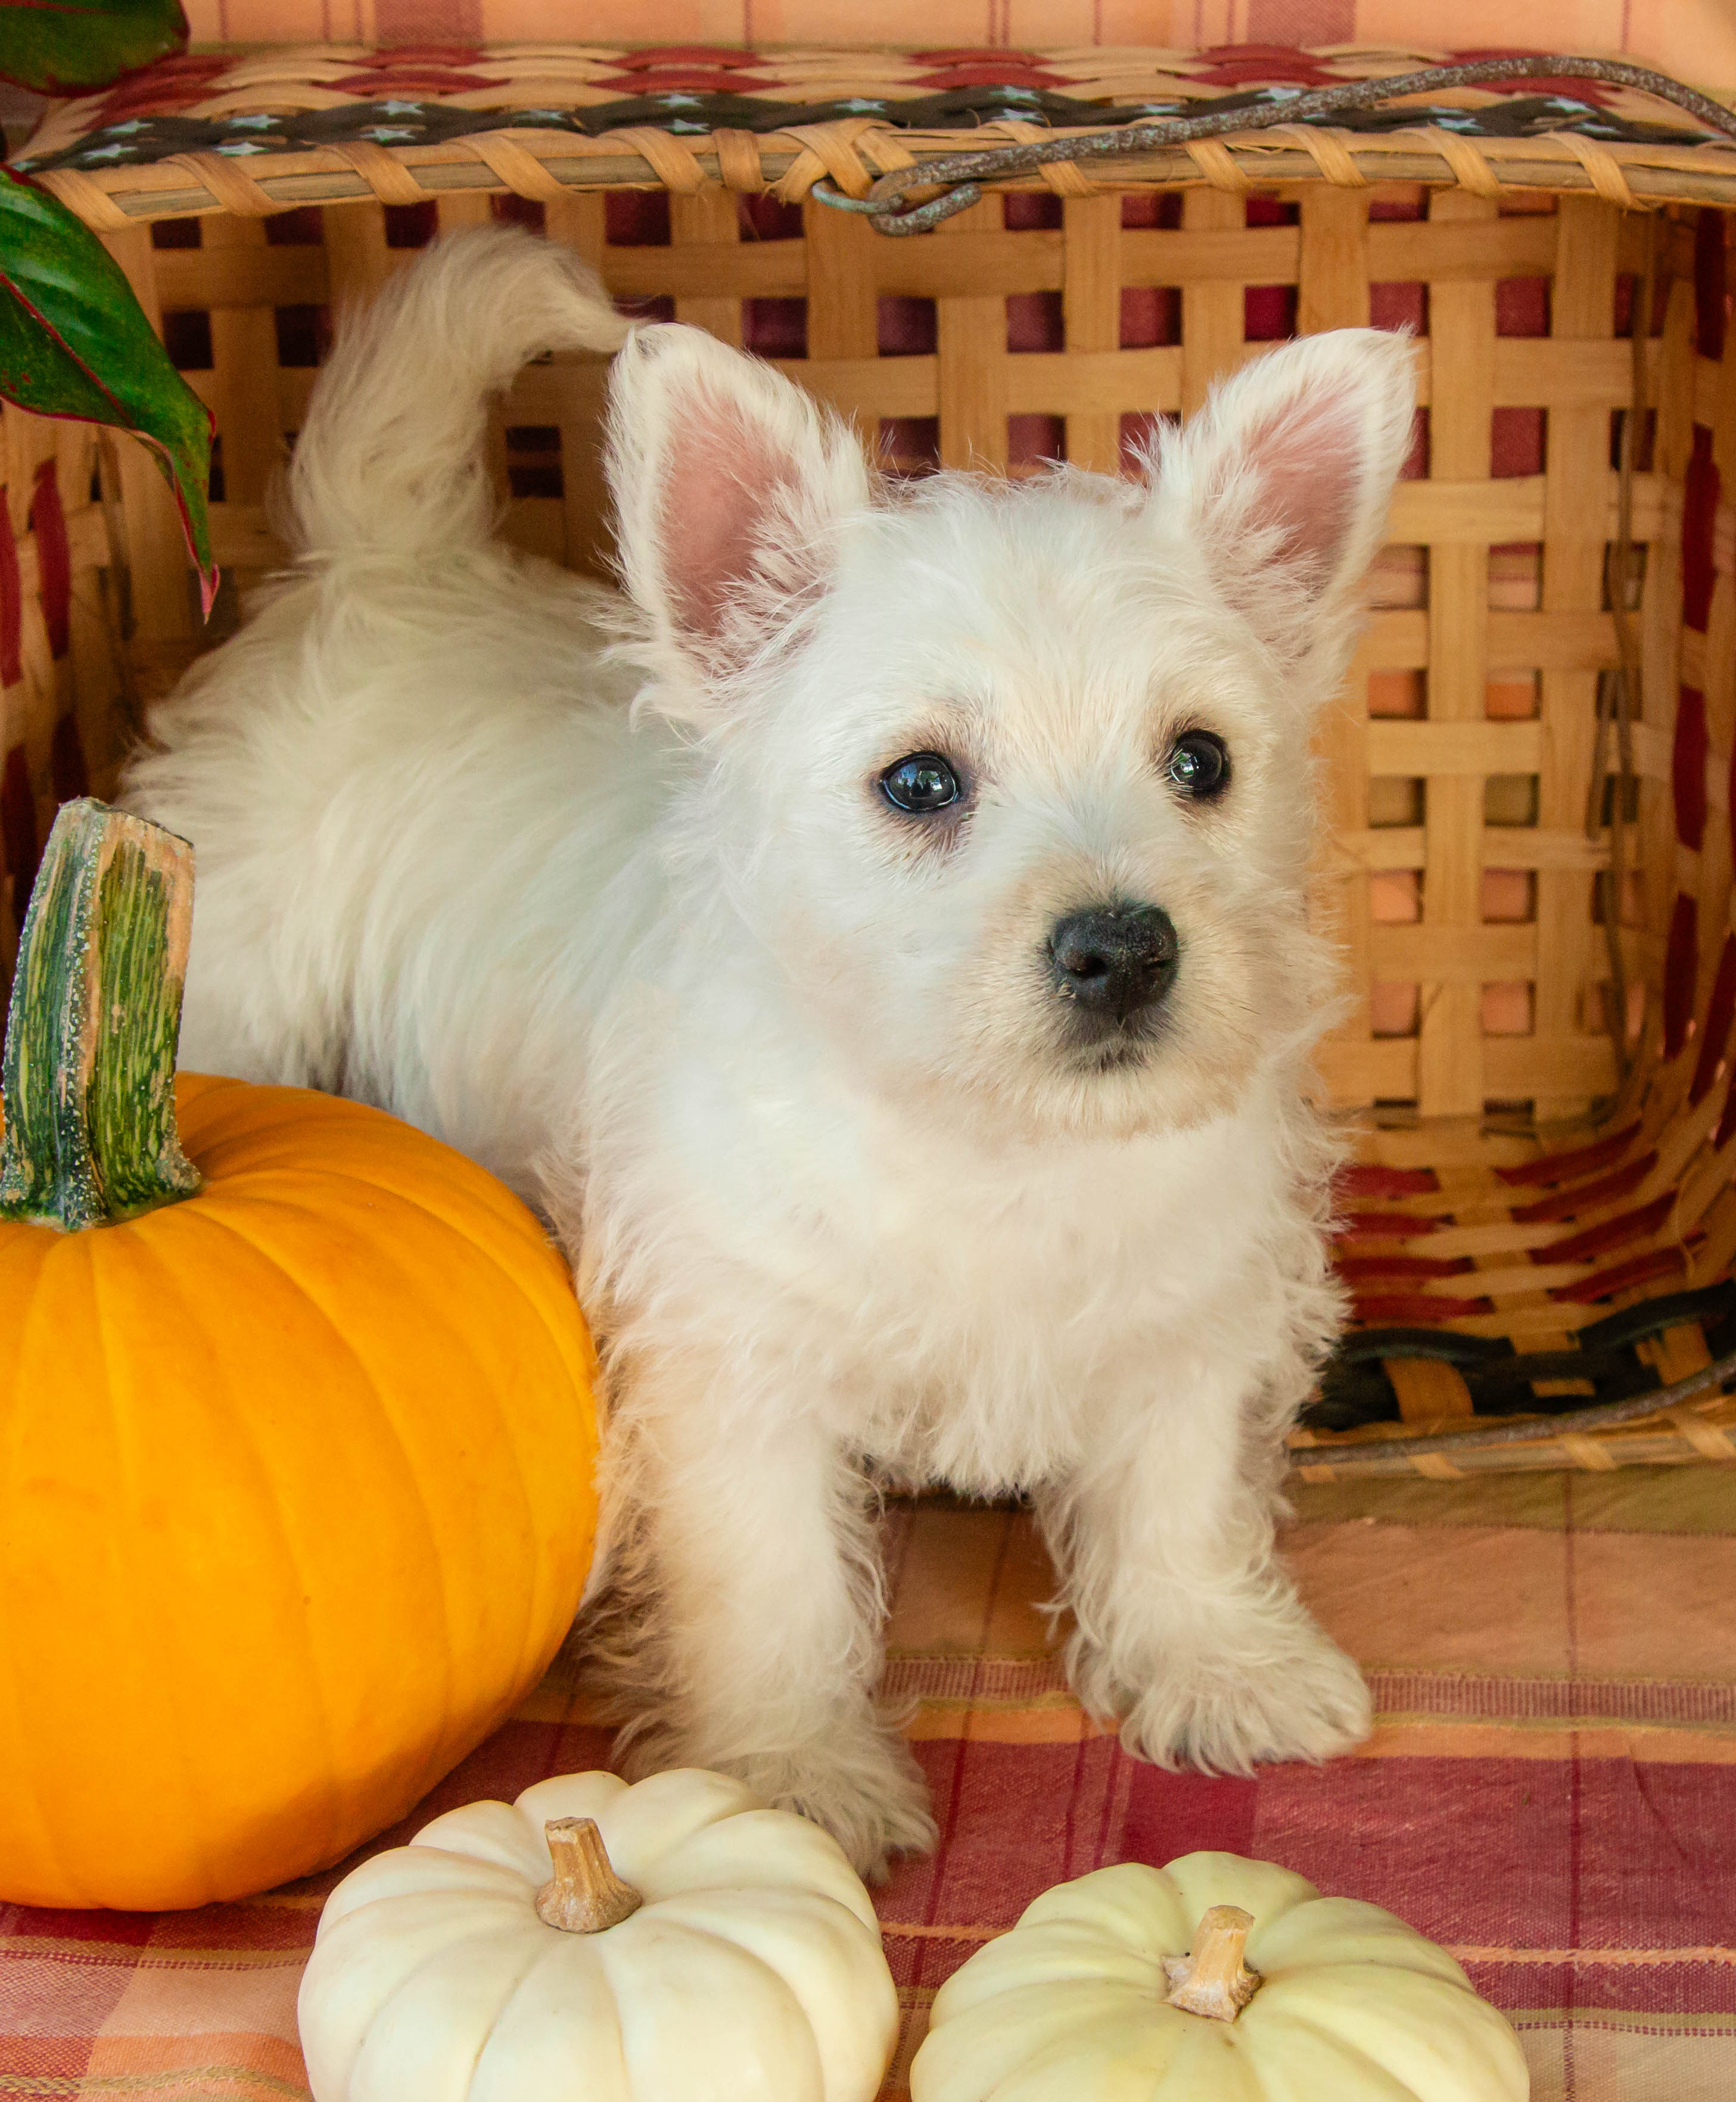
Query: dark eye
<point>923,782</point>
<point>1200,765</point>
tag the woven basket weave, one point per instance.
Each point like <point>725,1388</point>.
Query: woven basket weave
<point>1543,1221</point>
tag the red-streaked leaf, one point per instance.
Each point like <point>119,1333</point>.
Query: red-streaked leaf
<point>74,341</point>
<point>64,47</point>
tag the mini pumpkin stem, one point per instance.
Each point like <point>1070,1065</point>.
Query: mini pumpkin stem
<point>584,1895</point>
<point>87,1079</point>
<point>1214,1980</point>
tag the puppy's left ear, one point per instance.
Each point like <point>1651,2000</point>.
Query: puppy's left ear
<point>729,486</point>
<point>1284,480</point>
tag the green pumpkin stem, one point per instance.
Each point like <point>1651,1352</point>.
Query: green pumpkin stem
<point>87,1081</point>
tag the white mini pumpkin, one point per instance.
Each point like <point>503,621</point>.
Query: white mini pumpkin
<point>1131,1986</point>
<point>675,1941</point>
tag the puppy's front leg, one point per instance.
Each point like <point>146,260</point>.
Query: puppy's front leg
<point>1188,1633</point>
<point>755,1593</point>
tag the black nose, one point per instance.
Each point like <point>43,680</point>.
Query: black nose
<point>1115,960</point>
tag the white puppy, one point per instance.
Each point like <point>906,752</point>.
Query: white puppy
<point>886,963</point>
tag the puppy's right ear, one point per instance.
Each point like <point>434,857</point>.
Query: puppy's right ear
<point>1283,482</point>
<point>728,484</point>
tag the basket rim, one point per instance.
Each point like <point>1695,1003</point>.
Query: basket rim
<point>515,118</point>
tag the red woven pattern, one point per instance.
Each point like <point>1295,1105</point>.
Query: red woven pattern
<point>53,555</point>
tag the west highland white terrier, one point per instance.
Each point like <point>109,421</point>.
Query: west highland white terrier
<point>877,943</point>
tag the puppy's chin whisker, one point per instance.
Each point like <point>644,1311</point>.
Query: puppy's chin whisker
<point>1120,1051</point>
<point>1116,1057</point>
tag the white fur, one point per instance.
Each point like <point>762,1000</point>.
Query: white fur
<point>634,926</point>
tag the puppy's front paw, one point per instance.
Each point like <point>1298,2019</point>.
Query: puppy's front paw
<point>860,1782</point>
<point>1304,1701</point>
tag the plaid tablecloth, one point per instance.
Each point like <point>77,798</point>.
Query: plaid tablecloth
<point>1551,1792</point>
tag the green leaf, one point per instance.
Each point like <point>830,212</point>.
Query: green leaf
<point>74,341</point>
<point>62,47</point>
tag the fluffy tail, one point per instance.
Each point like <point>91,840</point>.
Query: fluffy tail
<point>390,457</point>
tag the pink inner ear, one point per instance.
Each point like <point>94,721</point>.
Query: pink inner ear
<point>721,476</point>
<point>1309,467</point>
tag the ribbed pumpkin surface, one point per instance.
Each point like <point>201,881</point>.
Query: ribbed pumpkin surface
<point>296,1500</point>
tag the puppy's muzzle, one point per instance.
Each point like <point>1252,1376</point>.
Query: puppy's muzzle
<point>1114,963</point>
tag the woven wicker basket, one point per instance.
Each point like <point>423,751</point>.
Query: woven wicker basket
<point>1543,1223</point>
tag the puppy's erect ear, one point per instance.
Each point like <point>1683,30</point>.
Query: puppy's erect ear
<point>1283,479</point>
<point>728,483</point>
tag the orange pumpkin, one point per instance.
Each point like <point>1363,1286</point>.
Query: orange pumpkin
<point>298,1497</point>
